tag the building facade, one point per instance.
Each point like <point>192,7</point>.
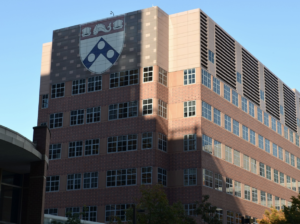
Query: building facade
<point>147,98</point>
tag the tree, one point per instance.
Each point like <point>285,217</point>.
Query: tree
<point>273,217</point>
<point>72,218</point>
<point>292,213</point>
<point>207,211</point>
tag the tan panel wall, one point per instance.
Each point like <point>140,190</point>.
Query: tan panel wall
<point>211,45</point>
<point>262,84</point>
<point>281,100</point>
<point>238,65</point>
<point>162,39</point>
<point>45,68</point>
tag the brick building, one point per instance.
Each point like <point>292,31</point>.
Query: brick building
<point>146,98</point>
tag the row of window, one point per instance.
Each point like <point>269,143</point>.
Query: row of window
<point>234,157</point>
<point>214,115</point>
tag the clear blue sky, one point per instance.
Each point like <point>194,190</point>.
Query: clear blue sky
<point>269,29</point>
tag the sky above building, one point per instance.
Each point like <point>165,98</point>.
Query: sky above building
<point>269,30</point>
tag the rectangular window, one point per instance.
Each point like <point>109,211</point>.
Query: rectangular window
<point>292,160</point>
<point>238,218</point>
<point>282,203</point>
<point>72,211</point>
<point>294,185</point>
<point>77,117</point>
<point>56,120</point>
<point>237,189</point>
<point>235,98</point>
<point>281,179</point>
<point>227,123</point>
<point>267,145</point>
<point>268,172</point>
<point>121,177</point>
<point>245,133</point>
<point>90,213</point>
<point>219,214</point>
<point>94,84</point>
<point>297,140</point>
<point>148,74</point>
<point>189,142</point>
<point>273,123</point>
<point>228,154</point>
<point>52,183</point>
<point>125,78</point>
<point>217,149</point>
<point>58,90</point>
<point>218,182</point>
<point>54,151</point>
<point>123,110</point>
<point>207,178</point>
<point>286,132</point>
<point>291,136</point>
<point>189,109</point>
<point>206,79</point>
<point>261,142</point>
<point>253,166</point>
<point>279,128</point>
<point>281,110</point>
<point>262,95</point>
<point>217,117</point>
<point>251,109</point>
<point>280,153</point>
<point>163,77</point>
<point>206,111</point>
<point>45,101</point>
<point>162,142</point>
<point>262,169</point>
<point>147,107</point>
<point>207,144</point>
<point>229,188</point>
<point>91,147</point>
<point>247,192</point>
<point>119,211</point>
<point>78,87</point>
<point>51,211</point>
<point>270,200</point>
<point>276,176</point>
<point>246,162</point>
<point>263,198</point>
<point>236,128</point>
<point>252,137</point>
<point>93,115</point>
<point>147,139</point>
<point>162,109</point>
<point>216,85</point>
<point>237,159</point>
<point>287,157</point>
<point>75,149</point>
<point>298,163</point>
<point>90,180</point>
<point>227,92</point>
<point>162,176</point>
<point>190,76</point>
<point>190,177</point>
<point>277,203</point>
<point>254,195</point>
<point>259,114</point>
<point>266,119</point>
<point>190,209</point>
<point>74,181</point>
<point>211,56</point>
<point>147,175</point>
<point>230,217</point>
<point>244,105</point>
<point>275,151</point>
<point>288,182</point>
<point>239,77</point>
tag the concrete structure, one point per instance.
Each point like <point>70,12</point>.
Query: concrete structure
<point>169,99</point>
<point>23,169</point>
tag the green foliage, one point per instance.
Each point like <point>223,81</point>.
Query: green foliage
<point>207,211</point>
<point>272,217</point>
<point>292,214</point>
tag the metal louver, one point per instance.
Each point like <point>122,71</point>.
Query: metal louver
<point>289,108</point>
<point>203,33</point>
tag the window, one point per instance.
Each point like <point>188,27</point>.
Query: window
<point>206,79</point>
<point>268,172</point>
<point>218,182</point>
<point>45,101</point>
<point>147,175</point>
<point>75,149</point>
<point>291,136</point>
<point>43,124</point>
<point>94,84</point>
<point>262,95</point>
<point>292,160</point>
<point>162,109</point>
<point>125,78</point>
<point>236,128</point>
<point>90,213</point>
<point>237,159</point>
<point>298,163</point>
<point>251,109</point>
<point>74,181</point>
<point>163,77</point>
<point>281,110</point>
<point>235,98</point>
<point>78,87</point>
<point>58,90</point>
<point>288,182</point>
<point>297,140</point>
<point>190,76</point>
<point>239,77</point>
<point>162,142</point>
<point>281,179</point>
<point>280,153</point>
<point>121,177</point>
<point>253,166</point>
<point>227,92</point>
<point>207,178</point>
<point>211,56</point>
<point>277,203</point>
<point>273,123</point>
<point>51,211</point>
<point>190,209</point>
<point>247,192</point>
<point>189,142</point>
<point>227,123</point>
<point>262,169</point>
<point>122,143</point>
<point>238,218</point>
<point>254,195</point>
<point>263,198</point>
<point>54,151</point>
<point>52,183</point>
<point>162,176</point>
<point>93,115</point>
<point>189,108</point>
<point>147,106</point>
<point>252,137</point>
<point>259,114</point>
<point>206,111</point>
<point>207,144</point>
<point>287,157</point>
<point>245,133</point>
<point>270,201</point>
<point>286,132</point>
<point>266,119</point>
<point>219,214</point>
<point>56,120</point>
<point>246,162</point>
<point>230,217</point>
<point>244,105</point>
<point>294,184</point>
<point>237,189</point>
<point>148,74</point>
<point>77,117</point>
<point>282,203</point>
<point>261,142</point>
<point>228,154</point>
<point>90,180</point>
<point>279,128</point>
<point>113,211</point>
<point>229,189</point>
<point>72,211</point>
<point>217,149</point>
<point>276,176</point>
<point>123,110</point>
<point>275,150</point>
<point>91,147</point>
<point>147,140</point>
<point>217,117</point>
<point>267,145</point>
<point>216,85</point>
<point>190,177</point>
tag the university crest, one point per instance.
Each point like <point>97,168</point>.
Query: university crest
<point>101,43</point>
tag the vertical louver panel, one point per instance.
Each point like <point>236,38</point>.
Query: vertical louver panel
<point>250,77</point>
<point>225,57</point>
<point>272,93</point>
<point>203,31</point>
<point>289,108</point>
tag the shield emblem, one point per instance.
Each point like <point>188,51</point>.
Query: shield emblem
<point>101,43</point>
